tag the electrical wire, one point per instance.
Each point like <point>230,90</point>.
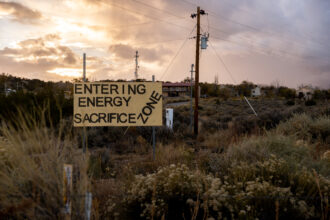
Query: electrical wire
<point>264,50</point>
<point>157,42</point>
<point>223,63</point>
<point>177,53</point>
<point>305,34</point>
<point>158,9</point>
<point>254,28</point>
<point>232,77</point>
<point>148,16</point>
<point>243,37</point>
<point>208,25</point>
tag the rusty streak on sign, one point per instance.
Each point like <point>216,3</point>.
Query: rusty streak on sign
<point>117,104</point>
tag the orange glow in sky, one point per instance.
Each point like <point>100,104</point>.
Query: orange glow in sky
<point>260,41</point>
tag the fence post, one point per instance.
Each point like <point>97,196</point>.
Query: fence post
<point>67,189</point>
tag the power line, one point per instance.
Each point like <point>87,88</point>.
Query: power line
<point>254,28</point>
<point>261,45</point>
<point>226,32</point>
<point>148,16</point>
<point>133,25</point>
<point>177,53</point>
<point>158,9</point>
<point>305,34</point>
<point>155,8</point>
<point>157,42</point>
<point>231,75</point>
<point>264,50</point>
<point>223,63</point>
<point>172,14</point>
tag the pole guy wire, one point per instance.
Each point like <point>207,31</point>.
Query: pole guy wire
<point>177,53</point>
<point>229,72</point>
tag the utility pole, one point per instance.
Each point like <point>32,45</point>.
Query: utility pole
<point>84,67</point>
<point>88,195</point>
<point>191,93</point>
<point>136,65</point>
<point>84,79</point>
<point>198,39</point>
<point>153,133</point>
<point>197,71</point>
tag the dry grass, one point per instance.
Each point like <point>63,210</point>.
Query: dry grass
<point>31,169</point>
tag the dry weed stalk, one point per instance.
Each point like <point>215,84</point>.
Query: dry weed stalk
<point>196,207</point>
<point>277,209</point>
<point>324,212</point>
<point>153,200</point>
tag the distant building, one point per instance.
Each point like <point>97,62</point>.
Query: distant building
<point>256,92</point>
<point>176,89</point>
<point>305,92</point>
<point>9,91</point>
<point>229,90</point>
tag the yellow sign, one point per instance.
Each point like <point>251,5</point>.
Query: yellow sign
<point>117,104</point>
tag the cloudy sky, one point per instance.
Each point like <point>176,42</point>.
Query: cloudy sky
<point>263,41</point>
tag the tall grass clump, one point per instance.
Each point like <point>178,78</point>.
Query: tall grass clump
<point>306,128</point>
<point>31,168</point>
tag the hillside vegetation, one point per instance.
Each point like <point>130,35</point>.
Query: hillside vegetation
<point>274,166</point>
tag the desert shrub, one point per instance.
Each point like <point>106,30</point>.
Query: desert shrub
<point>287,147</point>
<point>310,102</point>
<point>306,128</point>
<point>171,154</point>
<point>245,196</point>
<point>104,137</point>
<point>290,102</point>
<point>166,193</point>
<point>252,189</point>
<point>100,164</point>
<point>164,135</point>
<point>244,125</point>
<point>210,125</point>
<point>260,177</point>
<point>226,118</point>
<point>320,129</point>
<point>31,170</point>
<point>220,140</point>
<point>249,191</point>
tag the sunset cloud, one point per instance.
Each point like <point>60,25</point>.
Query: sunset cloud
<point>19,12</point>
<point>41,50</point>
<point>260,41</point>
<point>127,52</point>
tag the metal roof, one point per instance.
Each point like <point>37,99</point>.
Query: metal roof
<point>177,84</point>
